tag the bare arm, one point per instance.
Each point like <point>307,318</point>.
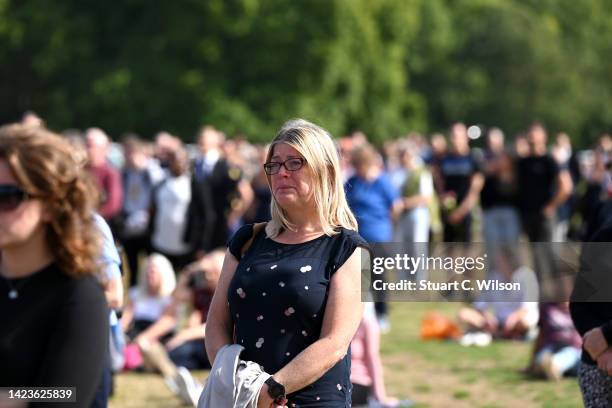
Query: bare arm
<point>218,323</point>
<point>127,316</point>
<point>113,290</point>
<point>342,316</point>
<point>470,200</point>
<point>564,189</point>
<point>164,325</point>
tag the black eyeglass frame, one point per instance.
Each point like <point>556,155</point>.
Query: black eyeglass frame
<point>269,169</point>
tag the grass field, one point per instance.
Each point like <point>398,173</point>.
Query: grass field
<point>434,374</point>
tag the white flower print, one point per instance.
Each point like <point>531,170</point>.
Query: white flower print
<point>304,333</point>
<point>259,318</point>
<point>273,266</point>
<point>306,268</point>
<point>339,387</point>
<point>260,342</point>
<point>241,293</point>
<point>306,287</point>
<point>281,284</point>
<point>289,311</point>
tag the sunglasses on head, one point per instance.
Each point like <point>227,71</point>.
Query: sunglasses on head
<point>11,197</point>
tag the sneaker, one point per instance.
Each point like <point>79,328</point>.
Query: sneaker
<point>550,369</point>
<point>482,339</point>
<point>467,339</point>
<point>188,388</point>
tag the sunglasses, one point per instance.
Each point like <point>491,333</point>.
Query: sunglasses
<point>11,197</point>
<point>293,164</point>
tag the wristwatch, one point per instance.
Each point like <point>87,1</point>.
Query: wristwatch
<point>276,390</point>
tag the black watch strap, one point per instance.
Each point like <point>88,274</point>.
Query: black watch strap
<point>276,390</point>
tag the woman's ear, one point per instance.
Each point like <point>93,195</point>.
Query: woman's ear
<point>47,214</point>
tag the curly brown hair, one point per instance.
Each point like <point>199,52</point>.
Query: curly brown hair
<point>48,168</point>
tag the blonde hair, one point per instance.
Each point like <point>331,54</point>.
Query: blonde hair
<point>166,271</point>
<point>315,144</point>
<point>46,167</point>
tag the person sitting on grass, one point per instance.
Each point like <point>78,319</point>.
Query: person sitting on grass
<point>556,352</point>
<point>152,295</point>
<point>510,314</point>
<point>185,350</point>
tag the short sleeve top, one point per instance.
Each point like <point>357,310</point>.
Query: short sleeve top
<point>277,301</point>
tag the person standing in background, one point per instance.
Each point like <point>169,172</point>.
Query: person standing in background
<point>138,185</point>
<point>106,176</point>
<point>542,188</point>
<point>373,200</point>
<point>459,180</point>
<point>566,159</point>
<point>501,223</point>
<point>231,194</point>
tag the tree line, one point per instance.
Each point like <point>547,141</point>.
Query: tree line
<point>382,66</point>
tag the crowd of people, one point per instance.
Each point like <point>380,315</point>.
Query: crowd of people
<point>174,208</point>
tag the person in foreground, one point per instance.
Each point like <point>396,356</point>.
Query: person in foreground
<point>290,293</point>
<point>54,320</point>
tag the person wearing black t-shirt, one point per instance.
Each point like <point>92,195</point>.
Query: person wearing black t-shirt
<point>54,319</point>
<point>542,188</point>
<point>459,181</point>
<point>501,224</point>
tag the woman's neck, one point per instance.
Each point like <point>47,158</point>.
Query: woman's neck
<point>24,260</point>
<point>304,223</point>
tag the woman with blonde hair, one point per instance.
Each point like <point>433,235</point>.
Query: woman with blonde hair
<point>289,294</point>
<point>54,320</point>
<point>147,301</point>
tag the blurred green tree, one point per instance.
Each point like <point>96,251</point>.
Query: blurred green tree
<point>383,66</point>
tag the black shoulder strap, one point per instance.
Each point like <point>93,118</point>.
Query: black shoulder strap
<point>257,228</point>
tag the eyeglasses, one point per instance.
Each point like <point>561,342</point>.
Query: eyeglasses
<point>293,164</point>
<point>11,197</point>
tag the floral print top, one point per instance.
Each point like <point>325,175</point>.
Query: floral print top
<point>277,301</point>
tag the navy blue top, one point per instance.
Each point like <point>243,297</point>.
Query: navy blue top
<point>277,300</point>
<point>371,202</point>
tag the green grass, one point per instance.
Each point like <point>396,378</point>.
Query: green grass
<point>477,376</point>
<point>432,373</point>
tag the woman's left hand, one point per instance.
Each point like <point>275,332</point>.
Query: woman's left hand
<point>266,401</point>
<point>594,342</point>
<point>604,362</point>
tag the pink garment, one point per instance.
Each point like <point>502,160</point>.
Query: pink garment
<point>366,367</point>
